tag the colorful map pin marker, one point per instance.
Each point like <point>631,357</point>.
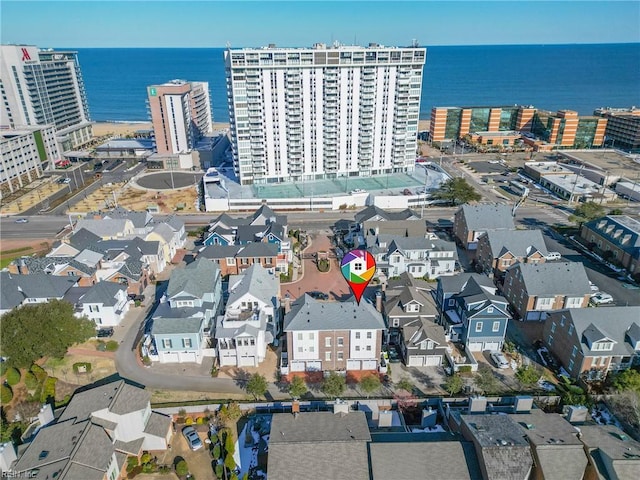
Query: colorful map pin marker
<point>358,268</point>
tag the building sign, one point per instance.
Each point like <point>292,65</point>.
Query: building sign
<point>152,91</point>
<point>25,55</point>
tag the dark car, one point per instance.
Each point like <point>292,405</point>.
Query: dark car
<point>318,295</point>
<point>105,332</point>
<point>406,191</point>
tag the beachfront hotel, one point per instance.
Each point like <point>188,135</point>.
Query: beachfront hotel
<point>44,87</point>
<point>180,114</point>
<point>623,127</point>
<point>301,114</point>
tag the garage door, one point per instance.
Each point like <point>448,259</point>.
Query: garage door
<point>369,364</point>
<point>169,357</point>
<point>432,360</point>
<point>247,361</point>
<point>188,357</point>
<point>491,346</point>
<point>353,364</point>
<point>416,360</point>
<point>297,366</point>
<point>314,366</point>
<point>475,346</point>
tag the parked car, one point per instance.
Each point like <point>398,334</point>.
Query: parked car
<point>499,359</point>
<point>357,190</point>
<point>22,220</point>
<point>105,332</point>
<point>553,256</point>
<point>318,295</point>
<point>406,191</point>
<point>193,440</point>
<point>594,288</point>
<point>601,298</point>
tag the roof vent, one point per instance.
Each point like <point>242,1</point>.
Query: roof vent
<point>43,454</point>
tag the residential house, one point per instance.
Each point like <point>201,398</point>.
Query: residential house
<point>422,343</point>
<point>500,444</point>
<point>421,257</point>
<point>139,219</point>
<point>319,445</point>
<point>473,315</point>
<point>590,344</point>
<point>106,303</point>
<point>471,221</point>
<point>169,240</point>
<point>407,298</point>
<point>95,433</point>
<point>452,459</point>
<point>83,274</point>
<point>234,259</point>
<point>612,453</point>
<point>107,228</point>
<point>618,234</point>
<point>325,336</point>
<point>557,451</point>
<point>251,318</point>
<point>27,290</point>
<point>499,249</point>
<point>373,213</point>
<point>533,290</point>
<point>186,312</point>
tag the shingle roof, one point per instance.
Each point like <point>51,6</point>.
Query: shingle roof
<point>219,251</point>
<point>164,231</point>
<point>15,288</point>
<point>609,446</point>
<point>44,264</point>
<point>196,279</point>
<point>158,424</point>
<point>557,278</point>
<point>622,226</point>
<point>139,219</point>
<point>309,314</point>
<point>89,258</point>
<point>258,249</point>
<point>82,238</point>
<point>175,326</point>
<point>421,329</point>
<point>455,283</point>
<point>269,215</point>
<point>414,460</point>
<point>104,228</point>
<point>372,211</point>
<point>250,233</point>
<point>483,217</point>
<point>316,427</point>
<point>119,397</point>
<point>521,243</point>
<point>103,293</point>
<point>256,281</point>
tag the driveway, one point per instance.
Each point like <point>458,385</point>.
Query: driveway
<point>199,462</point>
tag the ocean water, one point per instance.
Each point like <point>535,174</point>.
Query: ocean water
<point>549,77</point>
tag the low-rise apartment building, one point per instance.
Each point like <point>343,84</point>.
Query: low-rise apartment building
<point>617,234</point>
<point>499,249</point>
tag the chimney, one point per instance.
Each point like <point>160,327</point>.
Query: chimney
<point>379,301</point>
<point>295,407</point>
<point>287,303</point>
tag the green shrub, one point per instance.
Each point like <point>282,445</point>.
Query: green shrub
<point>3,368</point>
<point>464,369</point>
<point>199,420</point>
<point>39,372</point>
<point>49,389</point>
<point>132,462</point>
<point>182,468</point>
<point>13,376</point>
<point>219,471</point>
<point>112,346</point>
<point>30,381</point>
<point>229,462</point>
<point>5,394</point>
<point>216,452</point>
<point>82,367</point>
<point>214,438</point>
<point>188,421</point>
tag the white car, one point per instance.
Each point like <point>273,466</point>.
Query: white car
<point>553,256</point>
<point>594,288</point>
<point>499,359</point>
<point>601,298</point>
<point>357,190</point>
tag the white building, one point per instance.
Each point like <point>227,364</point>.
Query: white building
<point>323,112</point>
<point>180,113</point>
<point>44,87</point>
<point>25,154</point>
<point>106,303</point>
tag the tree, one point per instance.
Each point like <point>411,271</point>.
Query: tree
<point>456,191</point>
<point>405,384</point>
<point>527,375</point>
<point>182,468</point>
<point>369,384</point>
<point>453,384</point>
<point>13,376</point>
<point>485,381</point>
<point>334,385</point>
<point>585,212</point>
<point>27,410</point>
<point>229,462</point>
<point>5,394</point>
<point>616,211</point>
<point>230,412</point>
<point>256,385</point>
<point>48,329</point>
<point>627,380</point>
<point>297,387</point>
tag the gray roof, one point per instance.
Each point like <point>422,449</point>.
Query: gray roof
<point>176,326</point>
<point>394,305</point>
<point>371,212</point>
<point>257,281</point>
<point>317,427</point>
<point>456,283</point>
<point>119,397</point>
<point>46,264</point>
<point>609,445</point>
<point>308,461</point>
<point>103,293</point>
<point>165,231</point>
<point>413,460</point>
<point>220,251</point>
<point>266,214</point>
<point>82,238</point>
<point>623,225</point>
<point>553,278</point>
<point>131,447</point>
<point>250,233</point>
<point>258,249</point>
<point>521,243</point>
<point>309,314</point>
<point>173,221</point>
<point>139,218</point>
<point>15,288</point>
<point>158,425</point>
<point>88,257</point>
<point>560,454</point>
<point>500,445</point>
<point>592,324</point>
<point>421,329</point>
<point>483,217</point>
<point>405,279</point>
<point>105,227</point>
<point>403,228</point>
<point>68,451</point>
<point>196,279</point>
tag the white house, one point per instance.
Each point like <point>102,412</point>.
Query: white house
<point>106,303</point>
<point>420,257</point>
<point>250,322</point>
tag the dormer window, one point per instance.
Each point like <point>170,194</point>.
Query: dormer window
<point>602,346</point>
<point>412,307</point>
<point>489,309</point>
